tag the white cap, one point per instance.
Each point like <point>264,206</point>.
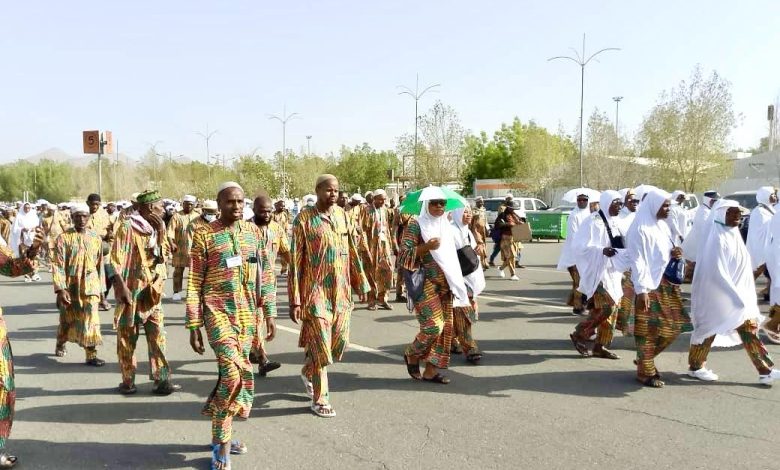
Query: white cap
<point>357,197</point>
<point>479,198</point>
<point>189,198</point>
<point>228,184</point>
<point>80,207</point>
<point>509,196</point>
<point>210,205</point>
<point>380,192</point>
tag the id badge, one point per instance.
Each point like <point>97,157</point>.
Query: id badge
<point>234,261</point>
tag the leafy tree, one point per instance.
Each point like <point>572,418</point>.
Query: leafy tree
<point>363,169</point>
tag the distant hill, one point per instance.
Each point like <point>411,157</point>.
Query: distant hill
<point>58,155</point>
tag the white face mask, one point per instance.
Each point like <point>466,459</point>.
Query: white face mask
<point>310,203</point>
<point>209,217</point>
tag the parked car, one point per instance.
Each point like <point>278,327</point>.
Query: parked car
<point>563,208</point>
<point>747,202</point>
<point>524,203</point>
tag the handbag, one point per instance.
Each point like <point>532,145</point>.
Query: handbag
<point>468,259</point>
<point>615,242</point>
<point>675,270</point>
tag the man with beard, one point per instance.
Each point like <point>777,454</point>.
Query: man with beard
<point>325,269</point>
<point>274,241</point>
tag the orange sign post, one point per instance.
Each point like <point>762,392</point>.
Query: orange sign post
<point>95,143</point>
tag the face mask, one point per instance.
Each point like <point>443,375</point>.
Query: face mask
<point>209,217</point>
<point>310,203</point>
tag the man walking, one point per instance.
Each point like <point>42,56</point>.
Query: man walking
<point>180,241</point>
<point>381,246</point>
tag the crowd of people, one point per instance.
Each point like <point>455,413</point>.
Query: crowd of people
<point>627,253</point>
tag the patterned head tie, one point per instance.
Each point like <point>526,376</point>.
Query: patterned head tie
<point>149,196</point>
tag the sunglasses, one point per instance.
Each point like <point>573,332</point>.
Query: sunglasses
<point>437,202</point>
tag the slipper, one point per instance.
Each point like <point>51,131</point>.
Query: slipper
<point>95,362</point>
<point>412,369</point>
<point>267,367</point>
<point>371,307</point>
<point>308,385</point>
<point>216,458</point>
<point>771,336</point>
<point>8,460</point>
<point>474,358</point>
<point>236,447</point>
<point>125,389</point>
<point>323,411</point>
<point>385,306</point>
<point>653,382</point>
<point>438,378</point>
<point>165,388</point>
<point>605,353</point>
<point>60,352</point>
<point>581,348</point>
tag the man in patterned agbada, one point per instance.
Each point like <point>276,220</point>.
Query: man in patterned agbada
<point>324,270</point>
<point>137,270</point>
<point>180,239</point>
<point>77,275</point>
<point>381,245</point>
<point>224,296</point>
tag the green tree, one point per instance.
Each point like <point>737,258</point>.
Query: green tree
<point>686,133</point>
<point>362,168</point>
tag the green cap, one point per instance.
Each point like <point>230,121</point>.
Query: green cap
<point>149,196</point>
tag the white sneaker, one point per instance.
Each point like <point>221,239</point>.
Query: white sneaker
<point>704,374</point>
<point>501,273</point>
<point>176,296</point>
<point>769,378</point>
<point>515,278</point>
<point>36,277</point>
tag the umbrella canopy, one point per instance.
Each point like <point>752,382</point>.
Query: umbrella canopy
<point>571,195</point>
<point>414,200</point>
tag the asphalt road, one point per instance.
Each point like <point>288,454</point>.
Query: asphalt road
<point>532,403</point>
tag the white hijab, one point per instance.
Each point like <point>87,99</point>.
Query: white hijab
<point>445,256</point>
<point>758,230</point>
<point>723,291</point>
<point>26,219</point>
<point>463,236</point>
<point>695,238</point>
<point>589,244</point>
<point>773,258</point>
<point>649,243</point>
<point>576,217</point>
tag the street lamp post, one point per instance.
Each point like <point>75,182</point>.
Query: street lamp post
<point>617,100</point>
<point>285,117</point>
<point>416,94</point>
<point>582,62</point>
<point>308,146</point>
<point>207,136</point>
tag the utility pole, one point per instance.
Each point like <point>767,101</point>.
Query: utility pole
<point>207,137</point>
<point>582,62</point>
<point>308,146</point>
<point>285,117</point>
<point>416,94</point>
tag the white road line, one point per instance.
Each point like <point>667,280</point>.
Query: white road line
<point>356,347</point>
<point>517,300</point>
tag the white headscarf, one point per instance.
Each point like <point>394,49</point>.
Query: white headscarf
<point>463,236</point>
<point>758,230</point>
<point>24,220</point>
<point>589,244</point>
<point>723,291</point>
<point>576,217</point>
<point>695,238</point>
<point>445,256</point>
<point>649,243</point>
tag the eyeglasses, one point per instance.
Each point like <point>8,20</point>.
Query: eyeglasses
<point>437,202</point>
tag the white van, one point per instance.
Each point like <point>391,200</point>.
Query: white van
<point>519,203</point>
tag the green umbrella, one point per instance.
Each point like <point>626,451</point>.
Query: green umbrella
<point>413,202</point>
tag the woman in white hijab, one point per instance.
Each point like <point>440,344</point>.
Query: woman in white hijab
<point>434,284</point>
<point>660,315</point>
<point>723,301</point>
<point>23,234</point>
<point>601,262</point>
<point>464,317</point>
<point>758,230</point>
<point>567,261</point>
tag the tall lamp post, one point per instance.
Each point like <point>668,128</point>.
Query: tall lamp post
<point>416,94</point>
<point>617,100</point>
<point>285,117</point>
<point>207,137</point>
<point>580,60</point>
<point>308,146</point>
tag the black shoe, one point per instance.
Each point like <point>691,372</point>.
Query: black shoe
<point>95,362</point>
<point>267,367</point>
<point>165,388</point>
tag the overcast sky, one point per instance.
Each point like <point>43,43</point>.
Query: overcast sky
<point>162,70</point>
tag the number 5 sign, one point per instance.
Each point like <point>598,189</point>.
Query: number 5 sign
<point>91,141</point>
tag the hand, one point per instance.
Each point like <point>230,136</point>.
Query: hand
<point>63,298</point>
<point>677,253</point>
<point>121,292</point>
<point>433,244</point>
<point>157,222</point>
<point>643,302</point>
<point>270,328</point>
<point>196,341</point>
<point>173,246</point>
<point>609,252</point>
<point>295,313</point>
<point>39,239</point>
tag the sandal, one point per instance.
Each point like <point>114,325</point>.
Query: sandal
<point>323,410</point>
<point>267,367</point>
<point>60,351</point>
<point>95,362</point>
<point>125,389</point>
<point>218,462</point>
<point>581,348</point>
<point>438,378</point>
<point>653,382</point>
<point>474,358</point>
<point>605,353</point>
<point>165,388</point>
<point>371,307</point>
<point>308,385</point>
<point>412,369</point>
<point>385,306</point>
<point>236,447</point>
<point>8,460</point>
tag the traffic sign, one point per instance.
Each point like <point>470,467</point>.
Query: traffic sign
<point>91,141</point>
